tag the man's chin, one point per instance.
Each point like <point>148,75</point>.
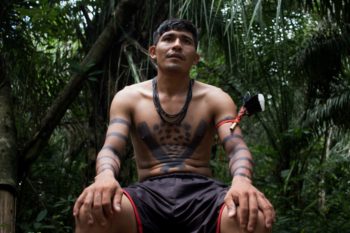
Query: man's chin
<point>174,67</point>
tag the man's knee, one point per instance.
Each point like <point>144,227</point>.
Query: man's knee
<point>118,222</point>
<point>231,224</point>
<point>82,225</point>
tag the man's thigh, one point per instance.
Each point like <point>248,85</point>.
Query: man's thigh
<point>231,224</point>
<point>121,222</point>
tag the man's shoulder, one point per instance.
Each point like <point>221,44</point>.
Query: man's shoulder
<point>214,96</point>
<point>134,90</point>
<point>209,90</point>
<point>132,94</point>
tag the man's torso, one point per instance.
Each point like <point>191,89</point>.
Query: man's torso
<point>161,147</point>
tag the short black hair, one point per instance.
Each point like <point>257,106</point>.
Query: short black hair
<point>176,24</point>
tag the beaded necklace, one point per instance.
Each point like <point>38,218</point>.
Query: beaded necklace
<point>173,119</point>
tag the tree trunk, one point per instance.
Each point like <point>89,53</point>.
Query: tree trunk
<point>122,15</point>
<point>8,213</point>
<point>323,160</point>
<point>8,156</point>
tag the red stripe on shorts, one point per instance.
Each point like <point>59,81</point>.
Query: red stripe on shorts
<point>137,216</point>
<point>219,218</point>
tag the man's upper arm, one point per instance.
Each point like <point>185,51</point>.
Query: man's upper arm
<point>119,120</point>
<point>240,159</point>
<point>224,111</point>
<point>117,133</point>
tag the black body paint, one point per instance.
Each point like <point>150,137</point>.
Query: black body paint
<point>231,136</point>
<point>111,148</point>
<point>105,166</point>
<point>235,151</point>
<point>118,135</point>
<point>172,144</point>
<point>242,167</point>
<point>119,121</point>
<point>242,174</point>
<point>244,158</point>
<point>233,157</point>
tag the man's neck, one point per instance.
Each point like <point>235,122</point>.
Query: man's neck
<point>173,84</point>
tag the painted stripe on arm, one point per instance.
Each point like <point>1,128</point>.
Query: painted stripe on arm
<point>231,137</point>
<point>234,153</point>
<point>243,159</point>
<point>118,135</point>
<point>106,166</point>
<point>119,121</point>
<point>112,149</point>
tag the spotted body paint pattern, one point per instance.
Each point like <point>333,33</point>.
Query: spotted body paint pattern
<point>172,144</point>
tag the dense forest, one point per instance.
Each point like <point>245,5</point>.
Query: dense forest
<point>61,63</point>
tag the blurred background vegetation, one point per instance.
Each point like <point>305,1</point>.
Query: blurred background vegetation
<point>63,61</point>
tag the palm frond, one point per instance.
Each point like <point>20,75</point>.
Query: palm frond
<point>321,60</point>
<point>278,17</point>
<point>256,13</point>
<point>335,109</point>
<point>134,71</point>
<point>336,10</point>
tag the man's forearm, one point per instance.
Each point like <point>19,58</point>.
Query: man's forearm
<point>240,159</point>
<point>241,162</point>
<point>108,159</point>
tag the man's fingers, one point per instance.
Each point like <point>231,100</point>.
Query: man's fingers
<point>117,199</point>
<point>253,212</point>
<point>82,218</point>
<point>85,209</point>
<point>78,203</point>
<point>230,205</point>
<point>267,209</point>
<point>97,210</point>
<point>243,210</point>
<point>107,203</point>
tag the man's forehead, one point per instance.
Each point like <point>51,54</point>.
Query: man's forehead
<point>178,33</point>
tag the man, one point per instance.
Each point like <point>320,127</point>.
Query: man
<point>172,121</point>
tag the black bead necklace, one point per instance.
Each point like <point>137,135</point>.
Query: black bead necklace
<point>173,119</point>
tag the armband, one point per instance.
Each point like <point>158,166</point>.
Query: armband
<point>225,122</point>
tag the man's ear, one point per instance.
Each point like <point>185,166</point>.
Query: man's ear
<point>196,59</point>
<point>152,52</point>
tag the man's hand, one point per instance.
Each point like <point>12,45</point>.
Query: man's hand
<point>250,201</point>
<point>99,200</point>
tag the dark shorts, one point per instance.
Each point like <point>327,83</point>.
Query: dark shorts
<point>185,203</point>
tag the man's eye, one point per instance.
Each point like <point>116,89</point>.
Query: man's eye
<point>188,41</point>
<point>166,38</point>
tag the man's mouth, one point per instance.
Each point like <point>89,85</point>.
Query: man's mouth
<point>176,55</point>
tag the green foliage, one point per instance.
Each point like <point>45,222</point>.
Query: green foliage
<point>310,218</point>
<point>56,179</point>
<point>47,195</point>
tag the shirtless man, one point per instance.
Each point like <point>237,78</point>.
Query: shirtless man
<point>172,121</point>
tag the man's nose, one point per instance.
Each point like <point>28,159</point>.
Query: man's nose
<point>177,44</point>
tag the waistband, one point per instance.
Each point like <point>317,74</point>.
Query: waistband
<point>182,175</point>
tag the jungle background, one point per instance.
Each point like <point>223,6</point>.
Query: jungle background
<point>61,62</point>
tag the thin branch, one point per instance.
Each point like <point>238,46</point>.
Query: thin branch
<point>123,13</point>
<point>86,15</point>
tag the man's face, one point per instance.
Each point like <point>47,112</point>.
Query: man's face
<point>175,51</point>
